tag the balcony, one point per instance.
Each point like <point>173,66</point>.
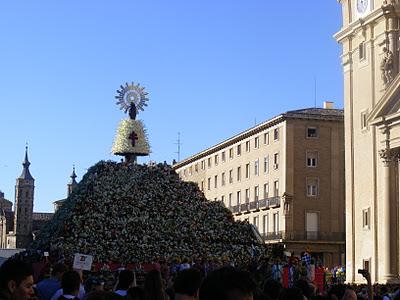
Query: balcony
<point>245,208</point>
<point>254,205</point>
<point>234,209</point>
<point>304,236</point>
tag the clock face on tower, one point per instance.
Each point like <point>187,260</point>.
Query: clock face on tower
<point>362,6</point>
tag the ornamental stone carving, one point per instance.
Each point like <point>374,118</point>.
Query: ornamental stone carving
<point>388,155</point>
<point>387,66</point>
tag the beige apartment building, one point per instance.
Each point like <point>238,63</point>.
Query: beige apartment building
<point>285,176</point>
<point>370,59</point>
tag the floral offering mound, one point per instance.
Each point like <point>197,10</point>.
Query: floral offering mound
<point>130,213</point>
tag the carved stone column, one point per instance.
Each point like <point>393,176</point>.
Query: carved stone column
<point>388,157</point>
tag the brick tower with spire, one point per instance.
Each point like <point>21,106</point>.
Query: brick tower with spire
<point>23,209</point>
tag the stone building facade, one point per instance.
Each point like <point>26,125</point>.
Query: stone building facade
<point>285,176</point>
<point>370,39</point>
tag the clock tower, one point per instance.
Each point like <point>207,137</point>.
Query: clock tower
<point>370,59</point>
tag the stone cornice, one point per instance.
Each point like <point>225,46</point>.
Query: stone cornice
<point>374,117</point>
<point>353,27</point>
<point>254,130</point>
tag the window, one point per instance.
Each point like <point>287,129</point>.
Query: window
<point>276,161</point>
<point>266,164</point>
<point>238,198</point>
<point>215,181</point>
<point>276,134</point>
<point>223,199</point>
<point>223,156</point>
<point>248,146</point>
<point>231,153</point>
<point>255,221</point>
<point>276,222</point>
<point>312,158</point>
<point>196,167</point>
<point>184,172</point>
<point>256,193</point>
<point>265,224</point>
<point>361,51</point>
<point>190,171</point>
<point>367,264</point>
<point>266,138</point>
<point>256,167</point>
<point>202,185</point>
<point>312,132</point>
<point>266,190</point>
<point>312,225</point>
<point>27,194</point>
<point>223,179</point>
<point>247,195</point>
<point>215,199</point>
<point>209,162</point>
<point>203,164</point>
<point>256,142</point>
<point>208,183</point>
<point>364,123</point>
<point>230,176</point>
<point>239,150</point>
<point>276,188</point>
<point>239,174</point>
<point>366,218</point>
<point>216,159</point>
<point>248,170</point>
<point>230,200</point>
<point>312,187</point>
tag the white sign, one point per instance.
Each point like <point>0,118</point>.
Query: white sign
<point>46,254</point>
<point>83,262</point>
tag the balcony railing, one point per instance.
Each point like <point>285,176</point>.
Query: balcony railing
<point>256,205</point>
<point>244,208</point>
<point>304,236</point>
<point>234,209</point>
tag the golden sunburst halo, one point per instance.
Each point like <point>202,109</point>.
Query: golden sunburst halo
<point>131,93</point>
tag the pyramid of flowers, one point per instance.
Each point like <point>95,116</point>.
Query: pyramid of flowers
<point>131,213</point>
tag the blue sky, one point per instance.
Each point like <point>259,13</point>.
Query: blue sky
<point>211,68</point>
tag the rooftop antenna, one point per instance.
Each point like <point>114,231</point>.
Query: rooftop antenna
<point>178,142</point>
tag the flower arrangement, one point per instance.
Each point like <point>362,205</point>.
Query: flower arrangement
<point>131,213</point>
<point>123,141</point>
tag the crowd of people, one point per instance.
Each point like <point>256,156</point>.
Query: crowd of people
<point>181,281</point>
<point>120,204</point>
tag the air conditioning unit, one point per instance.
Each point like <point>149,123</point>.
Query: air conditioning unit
<point>276,166</point>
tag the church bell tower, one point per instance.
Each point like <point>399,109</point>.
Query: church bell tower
<point>24,194</point>
<point>370,59</point>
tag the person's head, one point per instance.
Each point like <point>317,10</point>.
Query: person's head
<point>135,293</point>
<point>349,294</point>
<point>153,286</point>
<point>305,287</point>
<point>337,291</point>
<point>58,270</point>
<point>227,283</point>
<point>125,280</point>
<point>102,295</point>
<point>70,283</point>
<point>94,284</point>
<point>188,282</point>
<point>16,279</point>
<point>272,288</point>
<point>292,293</point>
